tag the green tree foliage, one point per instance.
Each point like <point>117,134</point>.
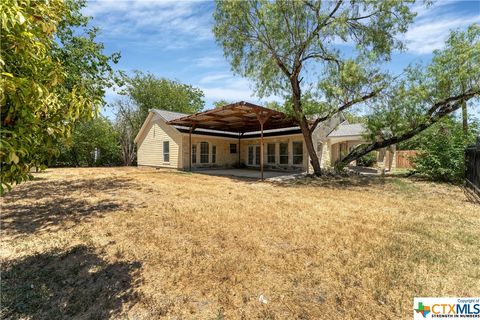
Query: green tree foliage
<point>50,77</point>
<point>442,150</point>
<point>288,48</point>
<point>145,91</point>
<point>94,142</point>
<point>425,95</point>
<point>368,160</point>
<point>220,103</point>
<point>148,91</point>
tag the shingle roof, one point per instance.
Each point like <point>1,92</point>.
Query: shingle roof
<point>169,115</point>
<point>355,129</point>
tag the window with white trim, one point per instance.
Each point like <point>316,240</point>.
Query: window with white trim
<point>297,148</point>
<point>284,153</point>
<point>214,154</point>
<point>194,153</point>
<point>203,152</point>
<point>166,151</point>
<point>271,153</point>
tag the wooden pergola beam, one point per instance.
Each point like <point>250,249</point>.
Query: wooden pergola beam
<point>242,117</point>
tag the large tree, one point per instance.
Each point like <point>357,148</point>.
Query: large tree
<point>290,48</point>
<point>145,91</point>
<point>148,91</point>
<point>426,95</point>
<point>93,142</point>
<point>53,73</point>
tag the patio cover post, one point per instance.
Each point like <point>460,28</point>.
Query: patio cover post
<point>262,119</point>
<point>239,154</point>
<point>261,149</point>
<point>192,128</point>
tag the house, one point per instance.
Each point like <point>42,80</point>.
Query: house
<point>241,135</point>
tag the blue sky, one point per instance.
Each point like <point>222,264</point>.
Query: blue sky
<point>174,40</point>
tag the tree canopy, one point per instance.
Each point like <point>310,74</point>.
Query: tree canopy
<point>93,142</point>
<point>53,73</point>
<point>145,91</point>
<point>148,91</point>
<point>289,48</point>
<point>425,95</point>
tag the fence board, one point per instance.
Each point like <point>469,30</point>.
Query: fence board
<point>404,158</point>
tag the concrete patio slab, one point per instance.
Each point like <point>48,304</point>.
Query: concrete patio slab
<point>244,173</point>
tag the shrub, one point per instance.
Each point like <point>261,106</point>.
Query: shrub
<point>368,160</point>
<point>442,151</point>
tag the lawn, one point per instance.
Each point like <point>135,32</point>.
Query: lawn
<point>144,243</point>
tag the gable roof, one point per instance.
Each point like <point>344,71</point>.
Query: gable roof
<point>169,115</point>
<point>345,129</point>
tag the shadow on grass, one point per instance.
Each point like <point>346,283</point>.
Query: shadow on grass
<point>334,182</point>
<point>49,204</point>
<point>62,285</point>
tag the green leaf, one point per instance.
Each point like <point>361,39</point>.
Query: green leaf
<point>14,158</point>
<point>20,18</point>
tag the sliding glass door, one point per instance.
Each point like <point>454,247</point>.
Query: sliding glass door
<point>253,155</point>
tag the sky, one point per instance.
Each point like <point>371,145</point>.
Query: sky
<point>174,40</point>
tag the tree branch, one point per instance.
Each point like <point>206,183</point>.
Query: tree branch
<point>345,106</point>
<point>443,108</point>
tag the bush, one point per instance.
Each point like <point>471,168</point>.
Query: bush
<point>442,151</point>
<point>93,143</point>
<point>368,160</point>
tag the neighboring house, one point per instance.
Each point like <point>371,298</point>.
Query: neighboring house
<point>230,137</point>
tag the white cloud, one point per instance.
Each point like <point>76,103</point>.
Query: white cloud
<point>228,94</point>
<point>433,25</point>
<point>227,87</point>
<point>215,77</point>
<point>165,24</point>
<point>208,62</point>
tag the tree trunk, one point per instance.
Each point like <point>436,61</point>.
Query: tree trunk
<point>465,118</point>
<point>304,127</point>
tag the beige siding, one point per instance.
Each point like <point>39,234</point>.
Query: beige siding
<point>150,145</point>
<point>223,157</point>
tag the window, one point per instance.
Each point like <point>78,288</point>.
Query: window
<point>233,148</point>
<point>257,155</point>
<point>166,151</point>
<point>283,153</point>
<point>214,154</point>
<point>271,153</point>
<point>253,155</point>
<point>250,155</point>
<point>194,153</point>
<point>297,152</point>
<point>203,152</point>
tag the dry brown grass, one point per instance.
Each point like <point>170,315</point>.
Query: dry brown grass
<point>144,243</point>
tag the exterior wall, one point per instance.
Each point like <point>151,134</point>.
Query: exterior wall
<point>224,158</point>
<point>387,158</point>
<point>150,148</point>
<point>150,145</point>
<point>319,135</point>
<point>342,146</point>
<point>276,140</point>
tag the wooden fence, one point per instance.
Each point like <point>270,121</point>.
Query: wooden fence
<point>404,158</point>
<point>472,168</point>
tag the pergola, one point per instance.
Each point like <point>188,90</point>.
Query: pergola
<point>239,117</point>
